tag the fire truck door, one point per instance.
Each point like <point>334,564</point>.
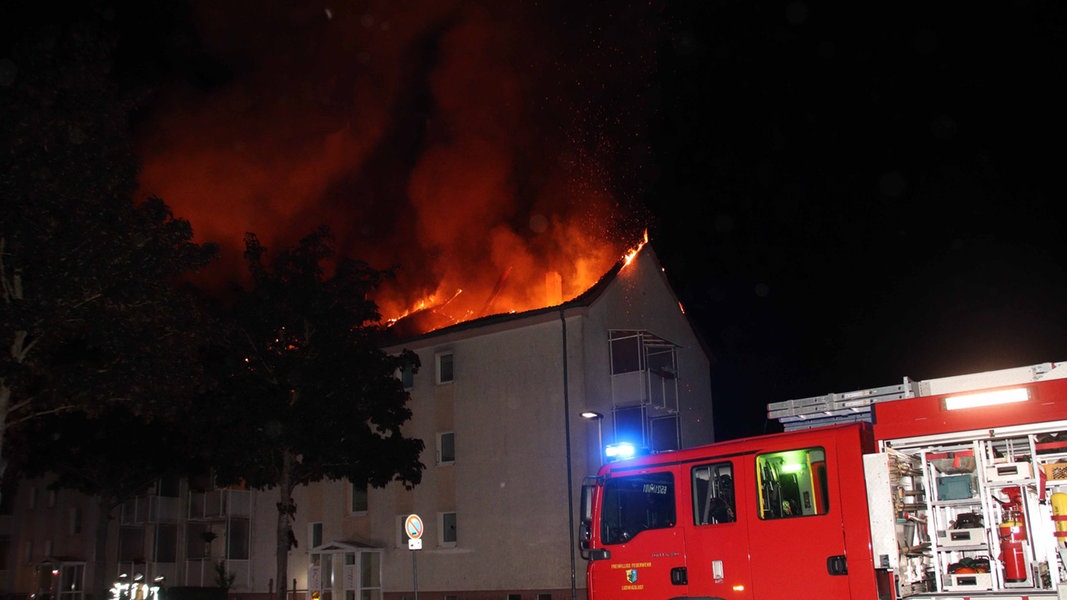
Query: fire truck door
<point>796,536</point>
<point>716,539</point>
<point>639,529</point>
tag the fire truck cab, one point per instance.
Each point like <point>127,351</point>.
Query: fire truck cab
<point>950,489</point>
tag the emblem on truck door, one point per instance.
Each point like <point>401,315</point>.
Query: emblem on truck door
<point>631,575</point>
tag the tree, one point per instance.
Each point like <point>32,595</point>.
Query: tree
<point>307,393</point>
<point>91,311</point>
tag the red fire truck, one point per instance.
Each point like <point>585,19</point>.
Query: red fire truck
<point>945,489</point>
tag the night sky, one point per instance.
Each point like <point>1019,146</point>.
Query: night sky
<point>841,196</point>
<point>853,196</point>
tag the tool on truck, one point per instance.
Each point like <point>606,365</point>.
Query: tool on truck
<point>947,489</point>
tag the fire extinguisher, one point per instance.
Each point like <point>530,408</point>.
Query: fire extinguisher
<point>1059,516</point>
<point>1012,533</point>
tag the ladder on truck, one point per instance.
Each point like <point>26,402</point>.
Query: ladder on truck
<point>848,407</point>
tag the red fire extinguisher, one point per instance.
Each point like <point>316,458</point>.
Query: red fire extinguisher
<point>1012,532</point>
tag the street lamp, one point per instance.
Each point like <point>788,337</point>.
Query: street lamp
<point>599,418</point>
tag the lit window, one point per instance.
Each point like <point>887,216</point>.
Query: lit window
<point>792,483</point>
<point>444,367</point>
<point>447,536</point>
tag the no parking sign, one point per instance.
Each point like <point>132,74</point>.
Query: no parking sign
<point>413,527</point>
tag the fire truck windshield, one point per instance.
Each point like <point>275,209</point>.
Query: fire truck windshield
<point>635,503</point>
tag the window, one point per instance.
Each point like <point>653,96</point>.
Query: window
<point>664,433</point>
<point>444,367</point>
<point>75,520</point>
<point>630,425</point>
<point>792,483</point>
<point>52,498</point>
<point>514,596</point>
<point>636,503</point>
<point>447,535</point>
<point>131,544</point>
<point>625,354</point>
<point>544,597</point>
<point>314,535</point>
<point>5,553</point>
<point>446,448</point>
<point>407,376</point>
<point>166,542</point>
<point>237,536</point>
<point>358,502</point>
<point>169,487</point>
<point>33,497</point>
<point>713,494</point>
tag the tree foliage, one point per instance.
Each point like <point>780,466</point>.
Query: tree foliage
<point>305,392</point>
<point>91,313</point>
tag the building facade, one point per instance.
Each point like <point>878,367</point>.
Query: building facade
<point>498,403</point>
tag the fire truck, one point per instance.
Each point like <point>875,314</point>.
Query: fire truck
<point>947,489</point>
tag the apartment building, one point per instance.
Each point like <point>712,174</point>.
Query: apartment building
<point>498,402</point>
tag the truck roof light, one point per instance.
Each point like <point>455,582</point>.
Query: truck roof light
<point>987,398</point>
<point>620,450</point>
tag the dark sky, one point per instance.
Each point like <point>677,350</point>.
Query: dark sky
<point>857,194</point>
<point>842,196</point>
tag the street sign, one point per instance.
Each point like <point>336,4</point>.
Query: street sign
<point>413,527</point>
<point>414,544</point>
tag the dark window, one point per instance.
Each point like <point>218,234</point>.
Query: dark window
<point>792,483</point>
<point>448,528</point>
<point>444,367</point>
<point>131,544</point>
<point>238,532</point>
<point>636,503</point>
<point>664,433</point>
<point>359,497</point>
<point>713,494</point>
<point>446,448</point>
<point>166,543</point>
<point>407,376</point>
<point>625,355</point>
<point>630,426</point>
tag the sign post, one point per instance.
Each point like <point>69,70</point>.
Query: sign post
<point>413,528</point>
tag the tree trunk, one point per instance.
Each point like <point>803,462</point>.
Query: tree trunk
<point>286,512</point>
<point>101,581</point>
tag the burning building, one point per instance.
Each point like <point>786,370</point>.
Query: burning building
<point>498,404</point>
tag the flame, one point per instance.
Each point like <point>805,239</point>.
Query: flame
<point>408,129</point>
<point>631,254</point>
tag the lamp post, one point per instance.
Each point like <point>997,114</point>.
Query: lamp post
<point>599,418</point>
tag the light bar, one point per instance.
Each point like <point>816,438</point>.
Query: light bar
<point>620,450</point>
<point>987,398</point>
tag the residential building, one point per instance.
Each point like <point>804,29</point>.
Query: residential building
<point>497,402</point>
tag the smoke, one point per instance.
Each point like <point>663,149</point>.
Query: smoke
<point>494,150</point>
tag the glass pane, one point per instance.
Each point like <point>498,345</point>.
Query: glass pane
<point>371,569</point>
<point>444,368</point>
<point>448,447</point>
<point>238,539</point>
<point>713,494</point>
<point>625,355</point>
<point>166,542</point>
<point>635,504</point>
<point>792,483</point>
<point>448,528</point>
